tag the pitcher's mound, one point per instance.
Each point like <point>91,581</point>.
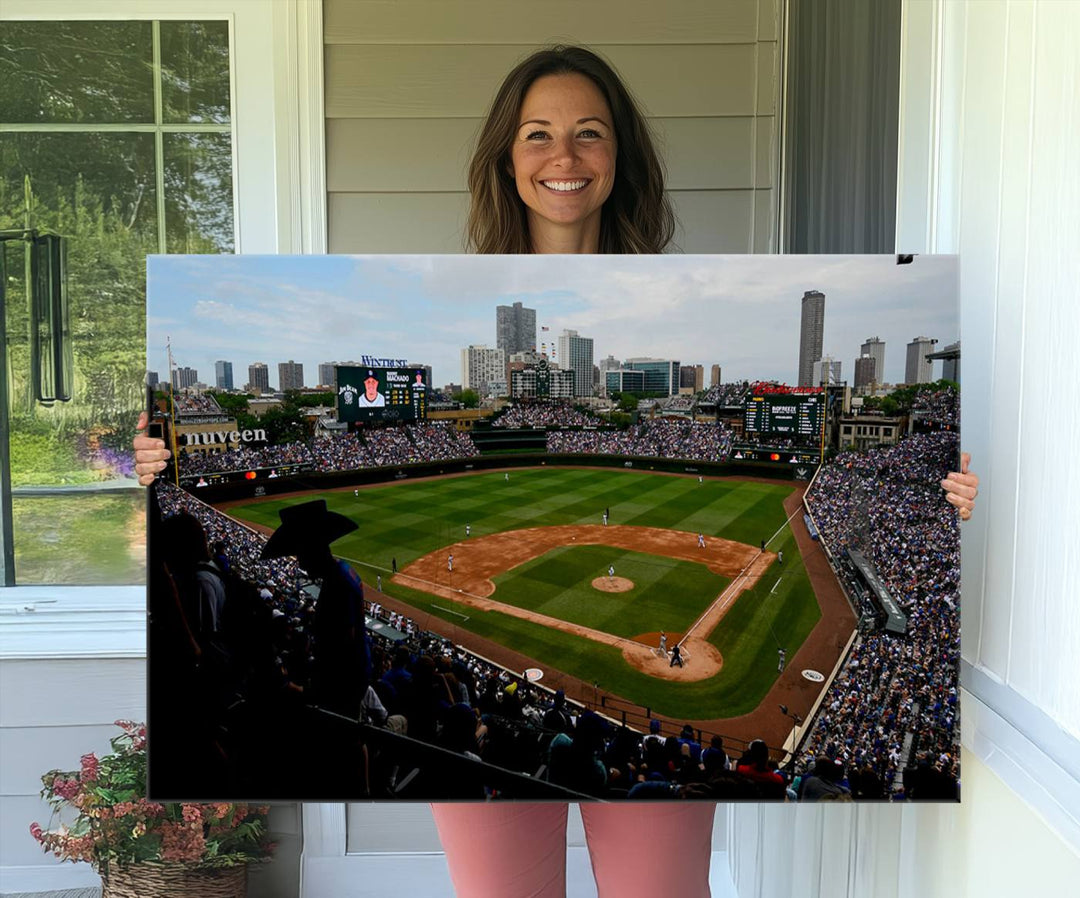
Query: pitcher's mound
<point>613,584</point>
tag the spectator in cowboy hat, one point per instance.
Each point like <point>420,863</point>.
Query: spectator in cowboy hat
<point>340,668</point>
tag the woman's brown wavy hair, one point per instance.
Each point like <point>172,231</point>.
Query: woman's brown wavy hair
<point>637,216</point>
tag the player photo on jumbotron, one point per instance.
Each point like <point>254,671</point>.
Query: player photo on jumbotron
<point>489,528</point>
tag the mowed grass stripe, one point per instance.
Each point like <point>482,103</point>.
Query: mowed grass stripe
<point>410,519</point>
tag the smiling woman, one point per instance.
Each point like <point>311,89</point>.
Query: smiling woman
<point>565,163</point>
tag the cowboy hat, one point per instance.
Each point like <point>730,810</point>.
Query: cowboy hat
<point>305,526</point>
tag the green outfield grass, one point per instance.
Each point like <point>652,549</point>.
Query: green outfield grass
<point>407,520</point>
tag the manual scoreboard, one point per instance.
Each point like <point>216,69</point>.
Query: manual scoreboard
<point>789,414</point>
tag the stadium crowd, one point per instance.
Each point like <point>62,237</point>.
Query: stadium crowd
<point>545,414</point>
<point>196,404</point>
<point>650,439</point>
<point>940,407</point>
<point>887,504</point>
<point>382,447</point>
<point>726,394</point>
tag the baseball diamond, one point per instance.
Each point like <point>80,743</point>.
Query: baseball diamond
<point>530,586</point>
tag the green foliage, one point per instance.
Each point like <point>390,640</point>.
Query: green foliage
<point>284,424</point>
<point>314,400</point>
<point>469,398</point>
<point>232,403</point>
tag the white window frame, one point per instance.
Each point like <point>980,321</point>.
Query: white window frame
<point>279,199</point>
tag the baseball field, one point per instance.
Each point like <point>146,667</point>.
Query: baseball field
<point>540,573</point>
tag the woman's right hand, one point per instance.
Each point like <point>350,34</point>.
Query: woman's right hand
<point>150,453</point>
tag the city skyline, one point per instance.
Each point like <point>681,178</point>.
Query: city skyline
<point>741,312</point>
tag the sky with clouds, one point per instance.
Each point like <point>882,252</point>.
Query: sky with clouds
<point>741,312</point>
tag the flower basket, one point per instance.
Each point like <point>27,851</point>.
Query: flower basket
<point>173,881</point>
<point>143,848</point>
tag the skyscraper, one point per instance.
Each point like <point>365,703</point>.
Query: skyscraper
<point>259,378</point>
<point>919,369</point>
<point>482,366</point>
<point>326,374</point>
<point>714,379</point>
<point>182,378</point>
<point>290,376</point>
<point>661,375</point>
<point>875,348</point>
<point>576,353</point>
<point>515,328</point>
<point>223,375</point>
<point>811,335</point>
<point>865,368</point>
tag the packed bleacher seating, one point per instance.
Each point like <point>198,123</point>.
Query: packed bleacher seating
<point>441,442</point>
<point>544,414</point>
<point>196,404</point>
<point>939,407</point>
<point>726,394</point>
<point>382,447</point>
<point>658,438</point>
<point>894,701</point>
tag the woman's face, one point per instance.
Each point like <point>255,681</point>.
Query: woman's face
<point>563,154</point>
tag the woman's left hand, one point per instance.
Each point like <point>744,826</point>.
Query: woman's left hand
<point>961,487</point>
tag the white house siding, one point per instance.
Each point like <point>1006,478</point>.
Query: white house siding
<point>408,83</point>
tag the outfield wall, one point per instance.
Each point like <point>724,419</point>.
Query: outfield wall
<point>318,481</point>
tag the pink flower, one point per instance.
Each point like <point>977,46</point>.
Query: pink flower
<point>36,832</point>
<point>192,814</point>
<point>89,768</point>
<point>65,788</point>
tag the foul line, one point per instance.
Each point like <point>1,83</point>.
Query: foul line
<point>450,611</point>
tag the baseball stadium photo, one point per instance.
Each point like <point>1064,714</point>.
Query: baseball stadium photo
<point>470,528</point>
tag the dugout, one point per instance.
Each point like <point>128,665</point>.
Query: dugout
<point>895,619</point>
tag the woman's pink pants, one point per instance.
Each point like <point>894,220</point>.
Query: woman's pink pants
<point>516,850</point>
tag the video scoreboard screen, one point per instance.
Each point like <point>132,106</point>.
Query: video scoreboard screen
<point>786,413</point>
<point>381,394</point>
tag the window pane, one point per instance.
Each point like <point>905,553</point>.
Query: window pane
<point>198,193</point>
<point>76,72</point>
<point>98,191</point>
<point>195,72</point>
<point>83,539</point>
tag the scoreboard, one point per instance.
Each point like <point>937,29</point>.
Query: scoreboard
<point>381,394</point>
<point>793,415</point>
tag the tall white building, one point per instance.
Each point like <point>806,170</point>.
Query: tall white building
<point>576,353</point>
<point>919,369</point>
<point>482,366</point>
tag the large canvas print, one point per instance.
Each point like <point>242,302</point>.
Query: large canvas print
<point>474,528</point>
